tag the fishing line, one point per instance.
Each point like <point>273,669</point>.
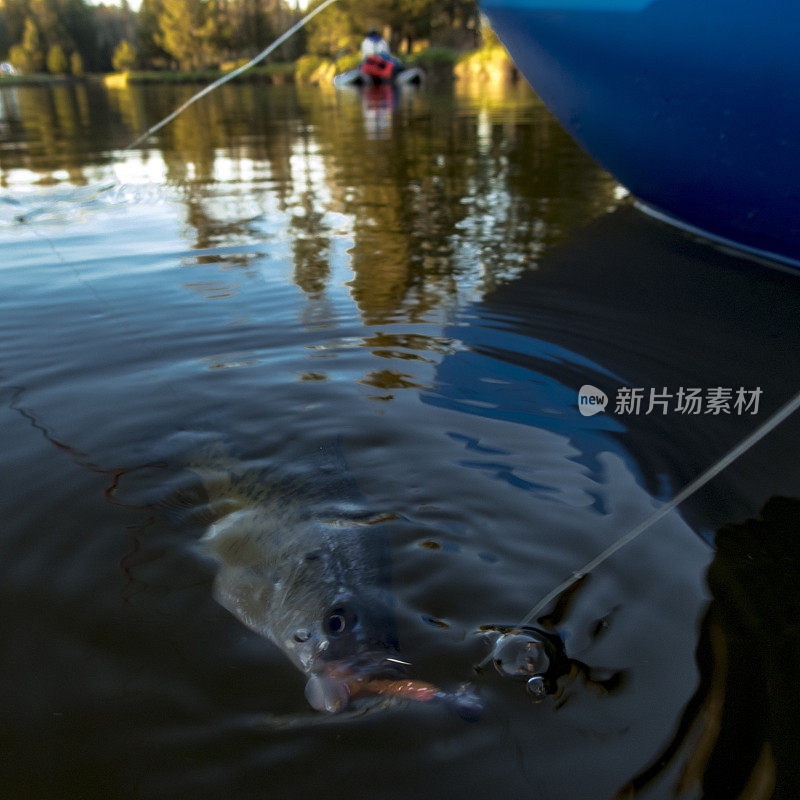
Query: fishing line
<point>231,75</point>
<point>28,215</point>
<point>739,450</point>
<point>94,191</point>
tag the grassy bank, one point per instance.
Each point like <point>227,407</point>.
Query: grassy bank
<point>42,79</point>
<point>274,72</point>
<point>490,63</point>
<point>437,63</point>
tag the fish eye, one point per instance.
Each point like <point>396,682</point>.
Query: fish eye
<point>340,620</point>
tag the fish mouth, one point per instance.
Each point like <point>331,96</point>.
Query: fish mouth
<point>339,681</point>
<point>367,665</point>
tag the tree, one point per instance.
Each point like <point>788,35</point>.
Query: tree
<point>196,33</point>
<point>20,59</point>
<point>80,22</point>
<point>76,64</point>
<point>186,32</point>
<point>5,40</point>
<point>56,60</point>
<point>32,45</point>
<point>14,13</point>
<point>147,31</point>
<point>124,56</point>
<point>112,27</point>
<point>46,15</point>
<point>333,31</point>
<point>449,22</point>
<point>89,28</point>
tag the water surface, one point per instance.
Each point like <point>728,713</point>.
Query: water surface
<point>425,280</point>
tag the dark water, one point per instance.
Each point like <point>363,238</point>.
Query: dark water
<point>426,281</point>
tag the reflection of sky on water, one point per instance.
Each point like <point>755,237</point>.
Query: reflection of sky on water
<point>455,196</point>
<point>274,272</point>
<point>433,207</point>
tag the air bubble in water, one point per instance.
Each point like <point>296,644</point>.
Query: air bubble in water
<point>520,655</point>
<point>537,689</point>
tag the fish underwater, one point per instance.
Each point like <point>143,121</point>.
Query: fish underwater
<point>307,569</point>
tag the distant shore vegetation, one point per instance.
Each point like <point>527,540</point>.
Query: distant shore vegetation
<point>198,40</point>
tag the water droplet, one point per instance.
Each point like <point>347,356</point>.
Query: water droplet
<point>520,655</point>
<point>536,688</point>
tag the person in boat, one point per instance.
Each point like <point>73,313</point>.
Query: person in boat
<point>375,45</point>
<point>377,61</point>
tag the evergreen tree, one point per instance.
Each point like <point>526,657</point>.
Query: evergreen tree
<point>195,33</point>
<point>451,22</point>
<point>45,13</point>
<point>186,32</point>
<point>32,46</point>
<point>14,13</point>
<point>80,24</point>
<point>76,64</point>
<point>5,40</point>
<point>147,31</point>
<point>111,30</point>
<point>124,56</point>
<point>333,31</point>
<point>20,59</point>
<point>56,60</point>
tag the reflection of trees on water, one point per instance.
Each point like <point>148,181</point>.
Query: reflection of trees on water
<point>457,194</point>
<point>59,127</point>
<point>241,161</point>
<point>452,195</point>
<point>312,241</point>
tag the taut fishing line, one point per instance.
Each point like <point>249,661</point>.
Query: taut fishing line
<point>231,75</point>
<point>739,450</point>
<point>96,190</point>
<point>93,191</point>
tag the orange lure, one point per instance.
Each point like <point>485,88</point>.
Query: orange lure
<point>409,689</point>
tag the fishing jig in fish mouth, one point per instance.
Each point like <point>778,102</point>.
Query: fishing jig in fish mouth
<point>333,690</point>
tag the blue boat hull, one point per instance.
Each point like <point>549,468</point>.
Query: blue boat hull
<point>691,104</point>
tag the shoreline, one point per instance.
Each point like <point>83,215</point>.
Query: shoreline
<point>489,64</point>
<point>44,79</point>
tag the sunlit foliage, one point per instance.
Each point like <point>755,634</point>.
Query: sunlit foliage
<point>197,34</point>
